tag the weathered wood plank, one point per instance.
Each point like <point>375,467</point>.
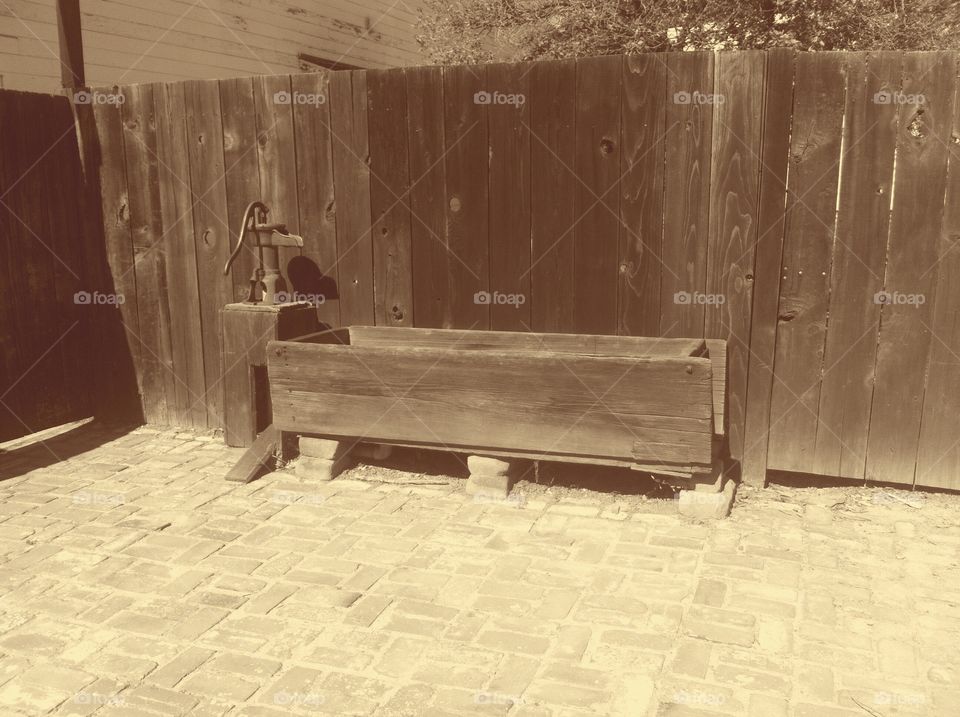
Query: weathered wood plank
<point>348,123</point>
<point>10,426</point>
<point>257,459</point>
<point>112,372</point>
<point>183,288</point>
<point>242,170</point>
<point>777,114</point>
<point>466,162</point>
<point>246,331</point>
<point>211,231</point>
<point>915,224</point>
<point>425,142</point>
<point>553,86</point>
<point>642,117</point>
<point>276,153</point>
<point>389,199</point>
<point>717,351</point>
<point>155,370</point>
<point>583,344</point>
<point>43,261</point>
<point>859,254</point>
<point>315,273</point>
<point>509,186</point>
<point>597,199</point>
<point>39,380</point>
<point>938,455</point>
<point>467,340</point>
<point>70,242</point>
<point>48,200</point>
<point>513,400</point>
<point>689,121</point>
<point>104,164</point>
<point>811,202</point>
<point>734,213</point>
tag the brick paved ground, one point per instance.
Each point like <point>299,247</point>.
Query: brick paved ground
<point>135,581</point>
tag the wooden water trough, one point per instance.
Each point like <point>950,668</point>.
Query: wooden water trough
<point>650,404</point>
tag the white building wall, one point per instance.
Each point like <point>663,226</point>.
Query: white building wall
<point>127,41</point>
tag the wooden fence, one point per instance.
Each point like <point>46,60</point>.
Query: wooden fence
<point>744,196</point>
<point>45,259</point>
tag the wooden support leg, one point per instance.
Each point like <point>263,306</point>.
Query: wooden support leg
<point>490,477</point>
<point>246,330</point>
<point>322,459</point>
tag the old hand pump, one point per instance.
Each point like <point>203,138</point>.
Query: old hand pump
<point>265,281</point>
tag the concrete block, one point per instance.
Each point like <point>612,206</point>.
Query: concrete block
<point>323,448</point>
<point>489,466</point>
<point>489,486</point>
<point>697,504</point>
<point>321,469</point>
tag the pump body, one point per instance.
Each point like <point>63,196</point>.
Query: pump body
<point>266,281</point>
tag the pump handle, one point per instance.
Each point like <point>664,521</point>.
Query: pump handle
<point>247,216</point>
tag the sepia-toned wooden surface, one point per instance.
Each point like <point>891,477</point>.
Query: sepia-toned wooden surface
<point>758,183</point>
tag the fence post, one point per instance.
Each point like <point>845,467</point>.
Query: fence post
<point>71,44</point>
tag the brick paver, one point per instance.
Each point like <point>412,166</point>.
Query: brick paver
<point>136,581</point>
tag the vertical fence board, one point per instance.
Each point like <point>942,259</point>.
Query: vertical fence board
<point>210,228</point>
<point>276,153</point>
<point>915,223</point>
<point>938,455</point>
<point>45,378</point>
<point>316,271</point>
<point>597,199</point>
<point>66,239</point>
<point>31,291</point>
<point>389,199</point>
<point>811,202</point>
<point>642,116</point>
<point>71,241</point>
<point>553,86</point>
<point>859,253</point>
<point>348,127</point>
<point>777,114</point>
<point>146,227</point>
<point>186,332</point>
<point>688,140</point>
<point>106,160</point>
<point>467,169</point>
<point>425,141</point>
<point>509,188</point>
<point>112,372</point>
<point>242,170</point>
<point>732,231</point>
<point>10,354</point>
<point>38,261</point>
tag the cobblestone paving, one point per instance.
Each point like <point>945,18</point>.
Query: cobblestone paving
<point>135,581</point>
